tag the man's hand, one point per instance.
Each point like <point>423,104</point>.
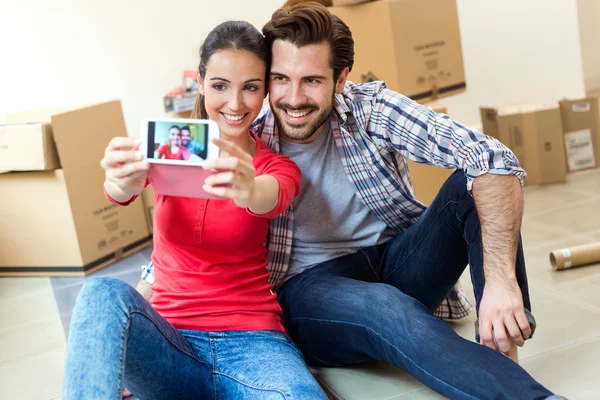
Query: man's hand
<point>502,318</point>
<point>145,290</point>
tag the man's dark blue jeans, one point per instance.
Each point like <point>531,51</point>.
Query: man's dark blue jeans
<point>378,304</point>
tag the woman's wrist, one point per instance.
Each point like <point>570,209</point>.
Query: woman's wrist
<point>265,195</point>
<point>116,193</point>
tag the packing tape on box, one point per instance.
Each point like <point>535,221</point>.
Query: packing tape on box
<point>575,256</point>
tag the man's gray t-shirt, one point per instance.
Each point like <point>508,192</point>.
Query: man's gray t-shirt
<point>330,220</point>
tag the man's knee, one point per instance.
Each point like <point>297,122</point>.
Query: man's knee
<point>307,390</point>
<point>457,181</point>
<point>387,300</point>
<point>383,310</point>
<point>399,319</point>
<point>458,177</point>
<point>455,190</point>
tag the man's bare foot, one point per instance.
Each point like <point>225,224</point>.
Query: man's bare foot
<point>126,393</point>
<point>512,352</point>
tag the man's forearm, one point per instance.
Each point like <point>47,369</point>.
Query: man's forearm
<point>499,202</point>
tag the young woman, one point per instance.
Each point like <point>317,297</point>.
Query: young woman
<point>172,150</point>
<point>214,328</point>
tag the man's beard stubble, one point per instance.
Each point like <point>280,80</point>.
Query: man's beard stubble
<point>303,131</point>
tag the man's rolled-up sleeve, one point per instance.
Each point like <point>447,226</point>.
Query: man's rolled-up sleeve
<point>424,136</point>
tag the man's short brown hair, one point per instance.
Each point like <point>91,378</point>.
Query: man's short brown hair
<point>311,23</point>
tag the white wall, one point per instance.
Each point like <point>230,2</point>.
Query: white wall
<point>63,52</point>
<point>589,31</point>
<point>517,51</point>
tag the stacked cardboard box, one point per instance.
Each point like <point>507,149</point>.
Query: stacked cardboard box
<point>36,138</point>
<point>412,45</point>
<point>534,134</point>
<point>55,218</point>
<point>329,3</point>
<point>348,2</point>
<point>550,140</point>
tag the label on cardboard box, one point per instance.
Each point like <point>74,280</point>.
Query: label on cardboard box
<point>580,152</point>
<point>581,107</point>
<point>114,233</point>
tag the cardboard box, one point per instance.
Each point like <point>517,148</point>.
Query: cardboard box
<point>326,3</point>
<point>40,116</point>
<point>181,114</point>
<point>348,2</point>
<point>27,147</point>
<point>412,45</point>
<point>591,92</point>
<point>59,222</point>
<point>581,127</point>
<point>148,199</point>
<point>534,134</point>
<point>437,107</point>
<point>428,179</point>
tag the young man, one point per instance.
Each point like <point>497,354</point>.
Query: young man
<point>363,269</point>
<point>191,145</point>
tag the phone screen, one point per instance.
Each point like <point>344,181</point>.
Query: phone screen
<point>177,141</point>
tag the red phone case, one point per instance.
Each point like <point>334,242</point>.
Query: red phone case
<point>179,180</point>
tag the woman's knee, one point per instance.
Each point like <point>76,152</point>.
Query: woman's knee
<point>306,390</point>
<point>299,386</point>
<point>103,293</point>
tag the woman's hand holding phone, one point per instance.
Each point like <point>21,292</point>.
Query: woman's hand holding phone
<point>125,167</point>
<point>235,178</point>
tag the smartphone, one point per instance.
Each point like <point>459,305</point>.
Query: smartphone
<point>179,141</point>
<point>176,149</point>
